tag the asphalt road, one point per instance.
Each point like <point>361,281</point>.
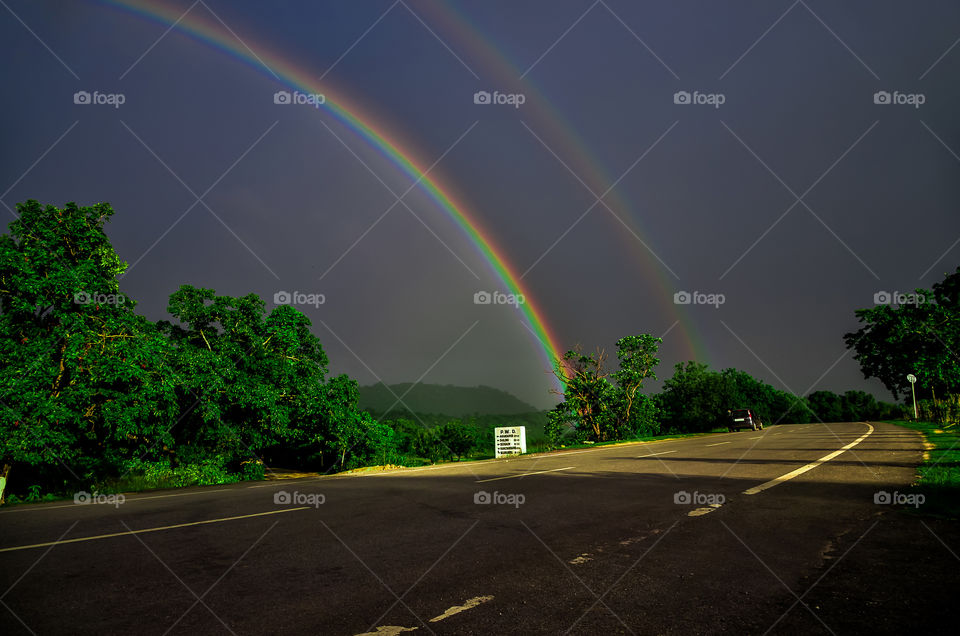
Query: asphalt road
<point>695,535</point>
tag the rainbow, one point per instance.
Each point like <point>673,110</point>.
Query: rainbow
<point>208,31</point>
<point>562,137</point>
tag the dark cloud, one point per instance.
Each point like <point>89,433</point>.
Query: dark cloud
<point>797,199</point>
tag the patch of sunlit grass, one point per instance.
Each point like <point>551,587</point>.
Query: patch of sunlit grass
<point>939,474</point>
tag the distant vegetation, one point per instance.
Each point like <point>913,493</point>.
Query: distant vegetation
<point>695,399</point>
<point>429,438</point>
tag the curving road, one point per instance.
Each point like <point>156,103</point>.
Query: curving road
<point>748,532</point>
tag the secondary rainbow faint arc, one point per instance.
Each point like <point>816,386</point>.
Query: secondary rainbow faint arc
<point>455,27</point>
<point>352,116</point>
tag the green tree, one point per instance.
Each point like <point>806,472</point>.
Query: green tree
<point>457,438</point>
<point>246,381</point>
<point>826,406</point>
<point>562,424</point>
<point>91,390</point>
<point>380,444</point>
<point>427,445</point>
<point>587,391</point>
<point>695,398</point>
<point>83,386</point>
<point>920,337</point>
<point>405,430</point>
<point>601,410</point>
<point>636,412</point>
<point>343,419</point>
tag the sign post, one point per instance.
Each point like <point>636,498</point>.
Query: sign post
<point>510,440</point>
<point>912,379</point>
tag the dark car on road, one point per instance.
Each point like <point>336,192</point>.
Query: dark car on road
<point>743,418</point>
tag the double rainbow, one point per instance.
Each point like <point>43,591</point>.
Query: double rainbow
<point>196,24</point>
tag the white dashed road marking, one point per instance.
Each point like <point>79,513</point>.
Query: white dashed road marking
<point>388,630</point>
<point>810,466</point>
<point>538,472</point>
<point>392,630</point>
<point>456,609</point>
<point>702,511</point>
<point>655,454</point>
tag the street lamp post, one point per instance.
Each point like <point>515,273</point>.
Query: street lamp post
<point>912,379</point>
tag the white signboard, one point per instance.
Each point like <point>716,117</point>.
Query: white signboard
<point>510,440</point>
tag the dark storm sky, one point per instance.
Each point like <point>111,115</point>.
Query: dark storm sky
<point>798,199</point>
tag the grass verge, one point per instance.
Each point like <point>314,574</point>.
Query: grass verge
<point>939,474</point>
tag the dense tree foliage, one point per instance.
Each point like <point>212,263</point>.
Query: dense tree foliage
<point>921,336</point>
<point>697,399</point>
<point>852,406</point>
<point>83,385</point>
<point>90,390</point>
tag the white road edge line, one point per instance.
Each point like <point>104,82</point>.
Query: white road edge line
<point>810,466</point>
<point>588,450</point>
<point>655,454</point>
<point>129,499</point>
<point>179,525</point>
<point>539,472</point>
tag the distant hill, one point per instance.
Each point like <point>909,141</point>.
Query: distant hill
<point>445,399</point>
